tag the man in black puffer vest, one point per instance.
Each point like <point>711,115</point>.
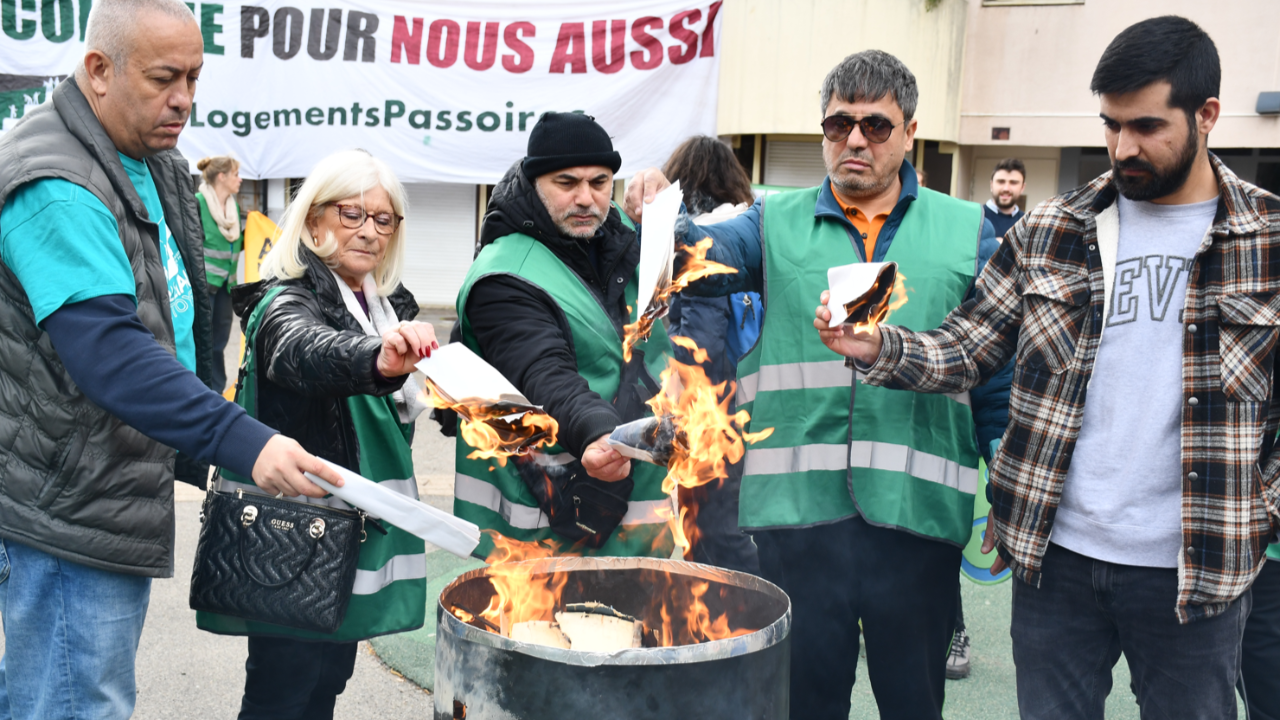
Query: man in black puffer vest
<point>104,344</point>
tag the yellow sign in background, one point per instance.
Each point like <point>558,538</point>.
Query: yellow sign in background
<point>259,237</point>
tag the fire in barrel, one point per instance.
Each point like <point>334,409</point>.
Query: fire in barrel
<point>612,638</point>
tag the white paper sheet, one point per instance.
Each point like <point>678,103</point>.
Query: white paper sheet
<point>657,245</point>
<point>461,374</point>
<point>848,283</point>
<point>418,518</point>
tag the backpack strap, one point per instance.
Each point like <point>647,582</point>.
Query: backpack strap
<point>246,380</point>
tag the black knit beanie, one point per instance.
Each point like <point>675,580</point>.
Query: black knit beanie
<point>562,140</point>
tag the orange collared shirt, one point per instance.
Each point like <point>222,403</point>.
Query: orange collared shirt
<point>869,227</point>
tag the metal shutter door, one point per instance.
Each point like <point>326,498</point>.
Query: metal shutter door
<point>440,240</point>
<point>793,164</point>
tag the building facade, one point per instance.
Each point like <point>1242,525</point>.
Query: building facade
<point>997,78</point>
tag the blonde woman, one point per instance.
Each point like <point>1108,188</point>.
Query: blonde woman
<point>223,240</point>
<point>334,341</point>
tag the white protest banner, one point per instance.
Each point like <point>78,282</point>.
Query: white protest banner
<point>443,91</point>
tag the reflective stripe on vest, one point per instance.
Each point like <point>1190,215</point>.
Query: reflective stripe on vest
<point>862,454</point>
<point>798,376</point>
<point>399,567</point>
<point>524,517</point>
<point>917,464</point>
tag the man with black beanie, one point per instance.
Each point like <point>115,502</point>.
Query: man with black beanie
<point>545,303</point>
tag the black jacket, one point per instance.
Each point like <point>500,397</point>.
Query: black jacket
<point>521,330</point>
<point>311,356</point>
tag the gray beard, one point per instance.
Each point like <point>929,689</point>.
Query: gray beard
<point>862,188</point>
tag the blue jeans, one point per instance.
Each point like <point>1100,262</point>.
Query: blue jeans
<point>1069,633</point>
<point>70,637</point>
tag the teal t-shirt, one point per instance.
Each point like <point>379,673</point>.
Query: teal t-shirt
<point>1273,552</point>
<point>64,247</point>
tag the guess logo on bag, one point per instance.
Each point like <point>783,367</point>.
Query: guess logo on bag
<point>279,524</point>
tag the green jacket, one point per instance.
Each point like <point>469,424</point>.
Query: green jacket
<point>220,256</point>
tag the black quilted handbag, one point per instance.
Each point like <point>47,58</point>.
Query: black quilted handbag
<point>274,560</point>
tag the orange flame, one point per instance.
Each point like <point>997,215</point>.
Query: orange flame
<point>520,595</point>
<point>696,267</point>
<point>699,355</point>
<point>708,439</point>
<point>485,427</point>
<point>897,298</point>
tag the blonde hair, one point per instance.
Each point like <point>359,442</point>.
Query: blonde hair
<point>211,167</point>
<point>342,175</point>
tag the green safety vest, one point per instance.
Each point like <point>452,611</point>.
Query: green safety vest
<point>493,496</point>
<point>900,459</point>
<point>220,256</point>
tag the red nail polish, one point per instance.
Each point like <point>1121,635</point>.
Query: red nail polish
<point>428,352</point>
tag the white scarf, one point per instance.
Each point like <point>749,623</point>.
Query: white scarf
<point>227,217</point>
<point>381,318</point>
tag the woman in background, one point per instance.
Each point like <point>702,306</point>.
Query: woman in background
<point>223,240</point>
<point>716,188</point>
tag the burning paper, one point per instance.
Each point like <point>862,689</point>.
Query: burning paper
<point>540,632</point>
<point>657,260</point>
<point>650,440</point>
<point>863,294</point>
<point>496,419</point>
<point>435,526</point>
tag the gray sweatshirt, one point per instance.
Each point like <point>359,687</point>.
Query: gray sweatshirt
<point>1122,498</point>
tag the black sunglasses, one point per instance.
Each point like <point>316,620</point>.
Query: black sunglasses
<point>875,128</point>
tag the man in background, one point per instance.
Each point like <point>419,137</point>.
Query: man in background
<point>1008,182</point>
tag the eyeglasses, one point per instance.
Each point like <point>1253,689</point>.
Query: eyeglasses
<point>352,217</point>
<point>875,128</point>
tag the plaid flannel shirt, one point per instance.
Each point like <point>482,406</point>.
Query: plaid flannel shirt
<point>1043,297</point>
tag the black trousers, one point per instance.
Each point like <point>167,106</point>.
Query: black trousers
<point>903,589</point>
<point>223,317</point>
<point>720,541</point>
<point>295,679</point>
<point>1260,648</point>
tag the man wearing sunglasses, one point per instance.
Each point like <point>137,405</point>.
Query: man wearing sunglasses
<point>862,498</point>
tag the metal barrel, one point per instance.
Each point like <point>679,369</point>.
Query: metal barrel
<point>484,676</point>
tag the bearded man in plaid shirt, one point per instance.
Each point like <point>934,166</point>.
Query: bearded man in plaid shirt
<point>1138,482</point>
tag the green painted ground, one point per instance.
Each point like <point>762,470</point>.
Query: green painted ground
<point>987,694</point>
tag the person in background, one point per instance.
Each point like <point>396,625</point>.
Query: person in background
<point>104,363</point>
<point>223,240</point>
<point>1008,181</point>
<point>716,188</point>
<point>335,344</point>
<point>922,177</point>
<point>1135,492</point>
